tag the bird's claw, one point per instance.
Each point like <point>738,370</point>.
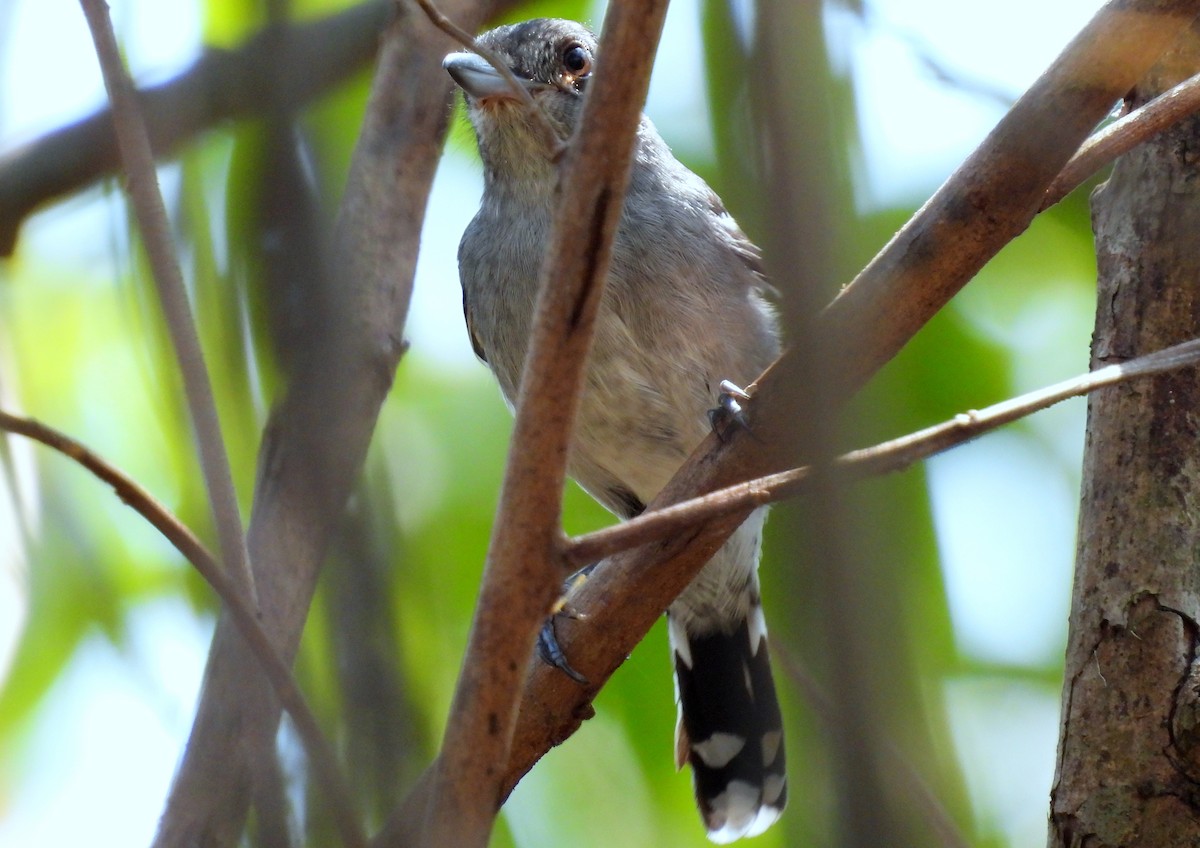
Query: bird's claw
<point>551,651</point>
<point>548,647</point>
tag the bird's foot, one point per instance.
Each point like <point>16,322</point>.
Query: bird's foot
<point>548,647</point>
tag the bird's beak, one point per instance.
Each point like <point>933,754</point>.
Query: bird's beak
<point>479,79</point>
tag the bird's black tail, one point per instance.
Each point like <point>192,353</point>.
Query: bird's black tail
<point>730,729</point>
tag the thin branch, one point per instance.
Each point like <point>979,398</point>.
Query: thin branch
<point>554,143</point>
<point>133,142</point>
<point>884,458</point>
<point>524,566</point>
<point>220,86</point>
<point>1124,134</point>
<point>320,755</point>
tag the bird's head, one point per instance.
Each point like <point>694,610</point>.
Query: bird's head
<point>552,60</point>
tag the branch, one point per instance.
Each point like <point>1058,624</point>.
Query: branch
<point>315,443</point>
<point>222,85</point>
<point>884,458</point>
<point>524,567</point>
<point>320,755</point>
<point>1123,135</point>
<point>985,204</point>
<point>133,143</point>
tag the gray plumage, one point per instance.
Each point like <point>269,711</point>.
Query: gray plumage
<point>683,309</point>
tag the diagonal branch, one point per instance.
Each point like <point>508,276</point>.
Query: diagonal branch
<point>320,755</point>
<point>222,85</point>
<point>524,566</point>
<point>133,144</point>
<point>884,458</point>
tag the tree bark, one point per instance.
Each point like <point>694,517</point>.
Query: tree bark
<point>1129,760</point>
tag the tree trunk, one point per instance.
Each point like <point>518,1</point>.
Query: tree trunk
<point>1129,753</point>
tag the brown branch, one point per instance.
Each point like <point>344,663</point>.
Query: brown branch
<point>986,203</point>
<point>133,144</point>
<point>315,443</point>
<point>221,85</point>
<point>884,458</point>
<point>320,755</point>
<point>524,567</point>
<point>1123,135</point>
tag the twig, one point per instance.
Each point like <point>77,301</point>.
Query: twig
<point>524,566</point>
<point>555,144</point>
<point>219,86</point>
<point>320,755</point>
<point>884,458</point>
<point>142,186</point>
<point>1123,135</point>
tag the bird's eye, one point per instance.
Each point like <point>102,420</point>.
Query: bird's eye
<point>577,60</point>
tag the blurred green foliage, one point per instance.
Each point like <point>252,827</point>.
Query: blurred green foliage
<point>86,352</point>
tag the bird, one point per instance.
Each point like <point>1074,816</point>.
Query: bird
<point>686,310</point>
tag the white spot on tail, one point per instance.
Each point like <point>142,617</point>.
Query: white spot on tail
<point>737,812</point>
<point>717,750</point>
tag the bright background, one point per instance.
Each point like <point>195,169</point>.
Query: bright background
<point>103,630</point>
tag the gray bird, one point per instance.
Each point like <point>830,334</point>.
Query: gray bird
<point>682,311</point>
